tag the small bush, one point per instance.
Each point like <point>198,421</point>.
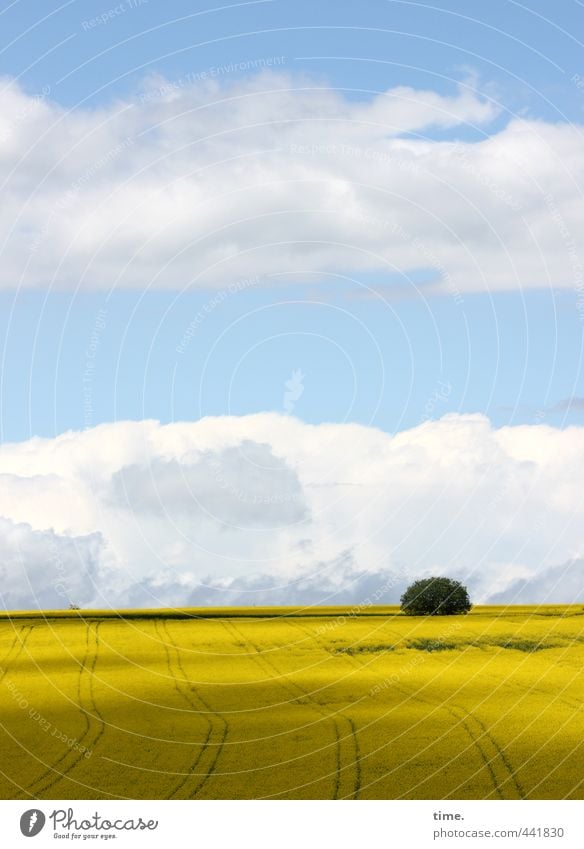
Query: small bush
<point>435,597</point>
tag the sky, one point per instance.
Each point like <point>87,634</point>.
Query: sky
<point>291,300</point>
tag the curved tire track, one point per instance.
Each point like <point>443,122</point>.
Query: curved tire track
<point>91,716</point>
<point>499,759</point>
<point>475,740</point>
<point>353,734</point>
<point>295,690</point>
<point>211,749</point>
<point>460,721</point>
<point>19,642</point>
<point>185,695</point>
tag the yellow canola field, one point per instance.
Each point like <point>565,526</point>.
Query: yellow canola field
<point>323,703</point>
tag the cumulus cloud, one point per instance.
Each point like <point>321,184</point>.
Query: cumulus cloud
<point>550,586</point>
<point>207,182</point>
<point>41,569</point>
<point>246,484</point>
<point>265,508</point>
<point>336,583</point>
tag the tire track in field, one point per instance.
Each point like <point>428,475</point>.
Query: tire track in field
<point>499,759</point>
<point>50,770</point>
<point>475,740</point>
<point>478,740</point>
<point>460,721</point>
<point>356,759</point>
<point>211,749</point>
<point>19,642</point>
<point>295,690</point>
<point>91,715</point>
<point>184,694</point>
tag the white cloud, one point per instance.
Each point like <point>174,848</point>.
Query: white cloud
<point>551,586</point>
<point>265,507</point>
<point>207,183</point>
<point>41,569</point>
<point>245,484</point>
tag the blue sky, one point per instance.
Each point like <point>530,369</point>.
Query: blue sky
<point>294,295</point>
<point>515,356</point>
<point>390,364</point>
<point>529,50</point>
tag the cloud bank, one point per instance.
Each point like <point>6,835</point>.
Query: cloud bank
<point>265,509</point>
<point>275,175</point>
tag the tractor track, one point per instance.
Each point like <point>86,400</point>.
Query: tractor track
<point>185,689</point>
<point>353,734</point>
<point>20,640</point>
<point>185,695</point>
<point>476,739</point>
<point>499,758</point>
<point>86,671</point>
<point>481,748</point>
<point>295,690</point>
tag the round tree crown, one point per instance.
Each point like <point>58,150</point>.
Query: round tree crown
<point>435,597</point>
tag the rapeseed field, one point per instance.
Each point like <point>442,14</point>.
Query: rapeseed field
<point>325,703</point>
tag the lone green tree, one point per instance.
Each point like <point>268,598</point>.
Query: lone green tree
<point>435,597</point>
